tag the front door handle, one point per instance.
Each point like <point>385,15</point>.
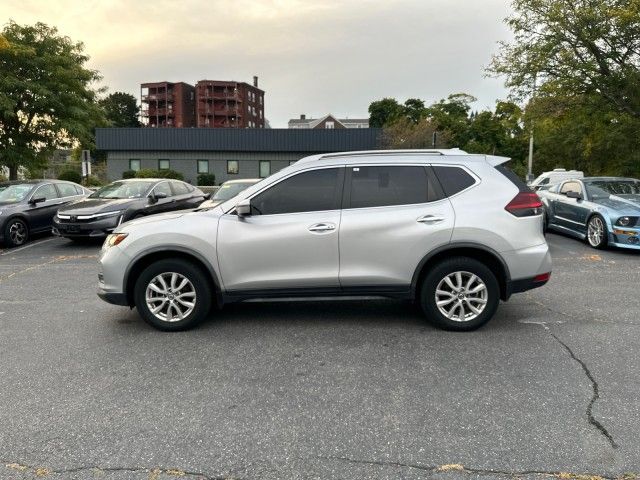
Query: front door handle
<point>322,227</point>
<point>430,219</point>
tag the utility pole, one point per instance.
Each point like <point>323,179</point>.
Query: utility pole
<point>530,166</point>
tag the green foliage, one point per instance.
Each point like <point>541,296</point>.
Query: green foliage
<point>129,174</point>
<point>93,181</point>
<point>2,177</point>
<point>70,176</point>
<point>383,112</point>
<point>149,173</point>
<point>206,179</point>
<point>121,109</point>
<point>583,48</point>
<point>47,95</point>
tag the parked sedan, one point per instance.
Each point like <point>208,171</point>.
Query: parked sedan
<point>602,210</point>
<point>229,189</point>
<point>28,207</point>
<point>102,211</point>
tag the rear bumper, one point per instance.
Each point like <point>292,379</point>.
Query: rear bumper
<point>529,268</point>
<point>524,284</point>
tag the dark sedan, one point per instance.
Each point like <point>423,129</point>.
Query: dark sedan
<point>121,201</point>
<point>28,207</point>
<point>601,210</point>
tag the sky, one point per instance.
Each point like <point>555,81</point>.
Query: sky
<point>312,57</point>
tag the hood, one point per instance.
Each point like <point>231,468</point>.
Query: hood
<point>209,204</point>
<point>90,206</point>
<point>8,204</point>
<point>625,204</point>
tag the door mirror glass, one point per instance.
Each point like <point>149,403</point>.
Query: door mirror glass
<point>243,208</point>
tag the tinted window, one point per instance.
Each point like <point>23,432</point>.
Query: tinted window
<point>67,190</point>
<point>453,179</point>
<point>163,188</point>
<point>47,191</point>
<point>305,192</point>
<point>390,185</point>
<point>179,188</point>
<point>515,179</point>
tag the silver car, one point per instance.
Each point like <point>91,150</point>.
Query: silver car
<point>454,232</point>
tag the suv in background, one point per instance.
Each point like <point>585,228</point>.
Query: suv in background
<point>455,232</point>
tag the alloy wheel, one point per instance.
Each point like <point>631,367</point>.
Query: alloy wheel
<point>595,231</point>
<point>461,296</point>
<point>170,297</point>
<point>17,233</point>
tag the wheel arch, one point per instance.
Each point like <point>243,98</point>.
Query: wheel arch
<point>486,255</point>
<point>148,257</point>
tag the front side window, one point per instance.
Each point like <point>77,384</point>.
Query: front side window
<point>67,190</point>
<point>571,187</point>
<point>232,167</point>
<point>163,187</point>
<point>203,166</point>
<point>312,191</point>
<point>265,168</point>
<point>179,188</point>
<point>164,164</point>
<point>134,164</point>
<point>48,192</point>
<point>390,185</point>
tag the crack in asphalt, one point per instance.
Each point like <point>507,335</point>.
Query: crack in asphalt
<point>154,473</point>
<point>470,470</point>
<point>594,397</point>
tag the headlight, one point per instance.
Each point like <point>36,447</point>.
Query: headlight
<point>114,239</point>
<point>626,221</point>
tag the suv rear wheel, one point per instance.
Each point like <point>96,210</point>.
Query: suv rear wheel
<point>459,294</point>
<point>172,295</point>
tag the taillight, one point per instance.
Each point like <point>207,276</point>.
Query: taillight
<point>525,204</point>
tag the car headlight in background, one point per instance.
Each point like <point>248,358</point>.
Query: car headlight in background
<point>114,239</point>
<point>626,221</point>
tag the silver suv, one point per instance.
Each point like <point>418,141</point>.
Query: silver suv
<point>452,231</point>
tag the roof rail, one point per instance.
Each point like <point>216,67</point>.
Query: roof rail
<point>440,151</point>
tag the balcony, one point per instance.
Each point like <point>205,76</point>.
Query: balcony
<point>158,96</point>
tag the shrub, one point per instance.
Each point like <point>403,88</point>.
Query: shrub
<point>3,178</point>
<point>147,173</point>
<point>170,174</point>
<point>129,174</point>
<point>93,181</point>
<point>206,179</point>
<point>70,176</point>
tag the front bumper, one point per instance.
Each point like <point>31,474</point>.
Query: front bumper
<point>114,298</point>
<point>89,229</point>
<point>625,237</point>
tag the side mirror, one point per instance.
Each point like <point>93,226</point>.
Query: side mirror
<point>33,201</point>
<point>575,195</point>
<point>243,208</point>
<point>155,196</point>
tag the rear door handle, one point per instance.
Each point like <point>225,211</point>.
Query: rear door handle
<point>430,219</point>
<point>322,227</point>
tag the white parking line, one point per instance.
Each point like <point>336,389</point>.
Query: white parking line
<point>26,246</point>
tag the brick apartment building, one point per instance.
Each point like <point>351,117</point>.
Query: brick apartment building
<point>166,104</point>
<point>210,104</point>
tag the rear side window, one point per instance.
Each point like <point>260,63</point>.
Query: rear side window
<point>515,179</point>
<point>312,191</point>
<point>453,179</point>
<point>390,185</point>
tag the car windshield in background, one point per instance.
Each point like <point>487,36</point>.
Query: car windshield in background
<point>15,193</point>
<point>605,188</point>
<point>123,190</point>
<point>225,192</point>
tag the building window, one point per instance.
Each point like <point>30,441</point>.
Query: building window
<point>232,167</point>
<point>329,124</point>
<point>203,166</point>
<point>265,168</point>
<point>164,164</point>
<point>134,164</point>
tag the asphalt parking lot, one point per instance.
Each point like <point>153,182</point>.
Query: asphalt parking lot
<point>327,390</point>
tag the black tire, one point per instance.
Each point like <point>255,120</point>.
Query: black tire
<point>16,232</point>
<point>467,267</point>
<point>604,237</point>
<point>199,285</point>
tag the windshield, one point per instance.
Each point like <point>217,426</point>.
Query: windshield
<point>123,190</point>
<point>15,193</point>
<point>230,190</point>
<point>605,188</point>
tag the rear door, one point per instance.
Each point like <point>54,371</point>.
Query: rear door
<point>393,215</point>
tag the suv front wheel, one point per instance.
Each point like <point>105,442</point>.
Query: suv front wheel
<point>172,295</point>
<point>459,294</point>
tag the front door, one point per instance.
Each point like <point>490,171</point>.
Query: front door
<point>41,214</point>
<point>571,212</point>
<point>290,240</point>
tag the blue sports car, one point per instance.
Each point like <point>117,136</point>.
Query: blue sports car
<point>602,210</point>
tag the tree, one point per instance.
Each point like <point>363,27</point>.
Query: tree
<point>121,109</point>
<point>383,112</point>
<point>47,95</point>
<point>574,47</point>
